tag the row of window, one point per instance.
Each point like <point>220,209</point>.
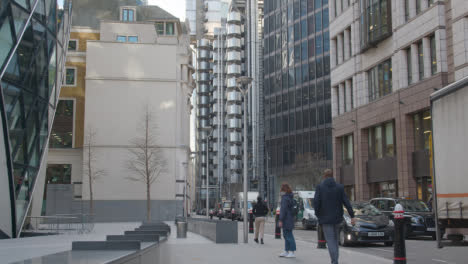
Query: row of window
<point>420,59</point>
<point>380,80</point>
<point>343,46</point>
<point>375,21</point>
<point>420,4</point>
<point>304,119</point>
<point>295,54</point>
<point>297,75</point>
<point>292,12</point>
<point>381,139</point>
<point>307,95</point>
<point>340,6</point>
<point>344,96</point>
<point>62,129</point>
<point>301,30</point>
<point>315,145</point>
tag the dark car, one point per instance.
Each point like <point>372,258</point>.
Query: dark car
<point>419,219</point>
<point>372,226</point>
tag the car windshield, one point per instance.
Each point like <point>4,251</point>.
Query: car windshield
<point>227,204</point>
<point>365,209</point>
<point>309,203</point>
<point>414,206</point>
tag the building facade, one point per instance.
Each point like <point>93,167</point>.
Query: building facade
<point>297,99</point>
<point>33,41</point>
<point>387,57</point>
<point>224,53</point>
<point>105,97</point>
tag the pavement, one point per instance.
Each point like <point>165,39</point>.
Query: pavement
<point>196,249</point>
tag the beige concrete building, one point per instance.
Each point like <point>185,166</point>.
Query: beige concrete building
<point>122,58</point>
<point>387,57</point>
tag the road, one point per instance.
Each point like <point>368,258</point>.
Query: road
<point>418,251</point>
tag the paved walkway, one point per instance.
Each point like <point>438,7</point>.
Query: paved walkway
<point>198,250</point>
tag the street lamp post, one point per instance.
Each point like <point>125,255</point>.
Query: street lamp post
<point>242,82</point>
<point>210,132</point>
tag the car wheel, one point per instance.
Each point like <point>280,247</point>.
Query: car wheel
<point>342,239</point>
<point>388,244</point>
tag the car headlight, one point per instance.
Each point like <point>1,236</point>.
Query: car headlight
<point>414,220</point>
<point>391,223</point>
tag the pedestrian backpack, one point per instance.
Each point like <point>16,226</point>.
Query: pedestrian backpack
<point>294,207</point>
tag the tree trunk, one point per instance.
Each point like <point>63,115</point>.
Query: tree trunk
<point>90,176</point>
<point>148,203</point>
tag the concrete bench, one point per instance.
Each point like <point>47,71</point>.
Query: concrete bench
<point>215,230</point>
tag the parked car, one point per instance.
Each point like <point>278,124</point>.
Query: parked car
<point>419,219</point>
<point>372,226</point>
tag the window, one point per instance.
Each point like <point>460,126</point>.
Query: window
<point>128,14</point>
<point>325,18</point>
<point>70,78</point>
<point>318,22</point>
<point>420,60</point>
<point>122,38</point>
<point>318,45</point>
<point>62,128</point>
<point>410,65</point>
<point>304,28</point>
<point>160,28</point>
<point>382,141</point>
<point>380,80</point>
<point>170,30</point>
<point>58,174</point>
<point>407,10</point>
<point>375,21</point>
<point>347,150</point>
<point>133,39</point>
<point>318,4</point>
<point>422,130</point>
<point>72,45</point>
<point>432,42</point>
<point>418,6</point>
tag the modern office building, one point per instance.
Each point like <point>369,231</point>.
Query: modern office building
<point>33,41</point>
<point>121,58</point>
<point>230,50</point>
<point>297,99</point>
<point>387,57</point>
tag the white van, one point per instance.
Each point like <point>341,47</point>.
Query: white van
<point>306,215</point>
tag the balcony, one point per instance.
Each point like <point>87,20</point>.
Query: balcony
<point>381,170</point>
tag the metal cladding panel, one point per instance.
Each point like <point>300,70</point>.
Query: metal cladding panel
<point>235,137</point>
<point>204,88</point>
<point>234,56</point>
<point>204,54</point>
<point>235,151</point>
<point>204,43</point>
<point>233,29</point>
<point>235,164</point>
<point>234,96</point>
<point>231,83</point>
<point>234,18</point>
<point>234,43</point>
<point>234,123</point>
<point>234,110</point>
<point>234,69</point>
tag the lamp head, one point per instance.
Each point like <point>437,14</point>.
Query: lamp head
<point>243,80</point>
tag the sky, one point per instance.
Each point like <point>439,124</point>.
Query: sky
<point>175,7</point>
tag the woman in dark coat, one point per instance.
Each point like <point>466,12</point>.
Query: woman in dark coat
<point>286,221</point>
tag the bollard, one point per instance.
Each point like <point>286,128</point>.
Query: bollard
<point>399,243</point>
<point>251,225</point>
<point>322,243</point>
<point>277,228</point>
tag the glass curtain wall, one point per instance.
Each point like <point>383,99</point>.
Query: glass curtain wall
<point>33,41</point>
<point>297,87</point>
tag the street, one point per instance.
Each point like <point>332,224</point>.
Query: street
<point>418,250</point>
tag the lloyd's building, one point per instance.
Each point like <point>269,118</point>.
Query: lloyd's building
<point>33,43</point>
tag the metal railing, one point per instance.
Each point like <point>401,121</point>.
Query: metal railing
<point>61,223</point>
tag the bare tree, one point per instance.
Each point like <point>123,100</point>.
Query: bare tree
<point>148,161</point>
<point>89,163</point>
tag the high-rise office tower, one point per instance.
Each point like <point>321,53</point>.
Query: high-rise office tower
<point>297,103</point>
<point>33,44</point>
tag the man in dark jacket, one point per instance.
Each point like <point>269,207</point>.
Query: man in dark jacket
<point>328,204</point>
<point>260,210</point>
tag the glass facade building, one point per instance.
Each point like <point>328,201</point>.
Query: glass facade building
<point>297,98</point>
<point>33,44</point>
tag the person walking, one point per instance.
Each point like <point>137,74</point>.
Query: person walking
<point>286,221</point>
<point>260,210</point>
<point>328,204</point>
